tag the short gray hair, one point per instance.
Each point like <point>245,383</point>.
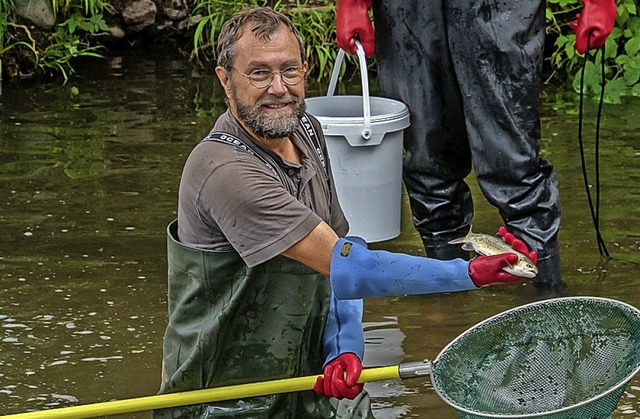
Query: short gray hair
<point>262,21</point>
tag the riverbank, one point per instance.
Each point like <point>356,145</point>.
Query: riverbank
<point>38,40</point>
<point>41,39</point>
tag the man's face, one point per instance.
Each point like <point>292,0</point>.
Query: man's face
<point>270,112</point>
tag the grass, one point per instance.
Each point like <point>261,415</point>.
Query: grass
<point>80,21</point>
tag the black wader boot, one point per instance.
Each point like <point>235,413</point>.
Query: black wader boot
<point>549,282</point>
<point>443,250</point>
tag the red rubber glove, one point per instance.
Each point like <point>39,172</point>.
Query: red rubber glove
<point>335,383</point>
<point>517,244</point>
<point>487,270</point>
<point>594,23</point>
<point>353,22</point>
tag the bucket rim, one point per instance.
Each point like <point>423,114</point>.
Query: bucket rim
<point>401,113</point>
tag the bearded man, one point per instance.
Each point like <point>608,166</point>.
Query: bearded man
<point>262,283</point>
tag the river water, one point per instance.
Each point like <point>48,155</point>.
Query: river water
<point>88,181</point>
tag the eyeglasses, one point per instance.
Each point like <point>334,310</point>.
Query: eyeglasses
<point>262,79</point>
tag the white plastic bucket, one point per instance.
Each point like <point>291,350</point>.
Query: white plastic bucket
<point>364,139</point>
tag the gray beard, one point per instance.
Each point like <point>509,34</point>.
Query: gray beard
<point>270,126</point>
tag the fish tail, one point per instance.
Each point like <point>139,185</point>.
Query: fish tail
<point>463,239</point>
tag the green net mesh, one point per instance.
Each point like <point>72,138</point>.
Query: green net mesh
<point>555,359</point>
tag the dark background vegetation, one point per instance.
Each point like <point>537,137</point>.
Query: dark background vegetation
<point>94,28</point>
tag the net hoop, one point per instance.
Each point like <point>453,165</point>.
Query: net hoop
<point>464,411</point>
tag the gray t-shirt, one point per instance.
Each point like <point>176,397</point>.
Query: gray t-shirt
<point>255,202</point>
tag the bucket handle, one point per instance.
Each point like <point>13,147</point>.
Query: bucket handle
<point>366,132</point>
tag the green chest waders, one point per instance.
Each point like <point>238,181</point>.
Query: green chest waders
<point>230,324</point>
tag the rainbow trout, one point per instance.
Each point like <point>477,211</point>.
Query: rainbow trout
<point>486,245</point>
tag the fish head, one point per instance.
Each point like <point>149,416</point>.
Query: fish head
<point>524,268</point>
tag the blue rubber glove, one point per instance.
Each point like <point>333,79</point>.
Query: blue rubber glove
<point>343,329</point>
<point>357,272</point>
<point>340,378</point>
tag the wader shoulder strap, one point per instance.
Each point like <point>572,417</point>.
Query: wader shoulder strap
<point>310,130</point>
<point>223,137</point>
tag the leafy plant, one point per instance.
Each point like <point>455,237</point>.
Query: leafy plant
<point>92,24</point>
<point>6,7</point>
<point>80,19</point>
<point>315,22</point>
<point>214,13</point>
<point>59,54</point>
<point>3,28</point>
<point>87,7</point>
<point>620,58</point>
<point>316,26</point>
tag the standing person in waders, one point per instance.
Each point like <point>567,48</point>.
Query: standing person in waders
<point>469,72</point>
<point>263,285</point>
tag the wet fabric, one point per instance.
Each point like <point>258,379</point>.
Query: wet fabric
<point>231,324</point>
<point>228,193</point>
<point>469,72</point>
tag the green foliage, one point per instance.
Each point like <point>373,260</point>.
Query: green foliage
<point>6,8</point>
<point>78,20</point>
<point>86,7</point>
<point>92,24</point>
<point>317,26</point>
<point>621,52</point>
<point>59,54</point>
<point>315,22</point>
<point>3,27</point>
<point>214,13</point>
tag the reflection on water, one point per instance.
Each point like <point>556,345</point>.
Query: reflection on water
<point>89,174</point>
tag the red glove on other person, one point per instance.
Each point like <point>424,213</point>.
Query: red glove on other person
<point>353,22</point>
<point>594,24</point>
<point>335,384</point>
<point>487,270</point>
<point>517,244</point>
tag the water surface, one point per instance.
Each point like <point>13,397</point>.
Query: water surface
<point>88,182</point>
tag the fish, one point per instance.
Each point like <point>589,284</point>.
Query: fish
<point>486,245</point>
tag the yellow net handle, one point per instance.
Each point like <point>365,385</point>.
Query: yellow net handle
<point>161,401</point>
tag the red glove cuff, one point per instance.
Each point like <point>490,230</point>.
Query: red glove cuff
<point>594,24</point>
